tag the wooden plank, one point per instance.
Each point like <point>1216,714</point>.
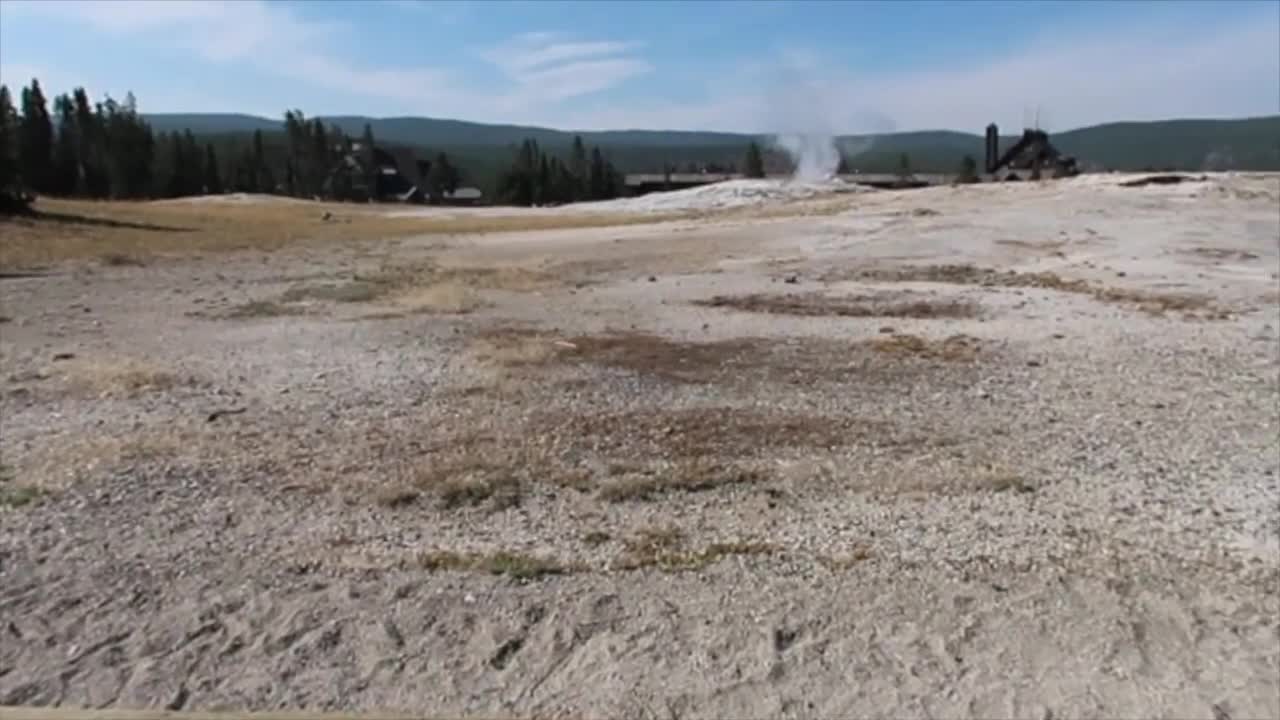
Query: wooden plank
<point>67,713</point>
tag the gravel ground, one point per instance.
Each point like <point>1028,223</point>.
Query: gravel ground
<point>987,451</point>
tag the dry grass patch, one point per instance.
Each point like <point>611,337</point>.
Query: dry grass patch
<point>847,561</point>
<point>664,549</point>
<point>83,229</point>
<point>687,476</point>
<point>481,470</point>
<point>701,432</point>
<point>738,361</point>
<point>1214,253</point>
<point>956,348</point>
<point>109,377</point>
<point>447,297</point>
<point>14,494</point>
<point>350,292</point>
<point>1191,305</point>
<point>120,259</point>
<point>67,460</point>
<point>1153,303</point>
<point>260,309</point>
<point>859,306</point>
<point>514,348</point>
<point>519,566</point>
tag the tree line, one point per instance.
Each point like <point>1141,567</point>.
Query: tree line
<point>75,147</point>
<point>537,177</point>
<point>107,150</point>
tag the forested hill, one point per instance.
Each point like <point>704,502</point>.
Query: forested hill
<point>1244,144</point>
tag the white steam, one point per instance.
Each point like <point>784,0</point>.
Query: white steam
<point>807,109</point>
<point>815,155</point>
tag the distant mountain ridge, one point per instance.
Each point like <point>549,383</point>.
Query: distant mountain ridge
<point>1243,144</point>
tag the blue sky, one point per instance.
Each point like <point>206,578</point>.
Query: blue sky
<point>757,66</point>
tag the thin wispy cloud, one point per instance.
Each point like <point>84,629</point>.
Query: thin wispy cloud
<point>545,65</point>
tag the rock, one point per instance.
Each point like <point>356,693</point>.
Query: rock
<point>653,279</point>
<point>791,279</point>
<point>1033,363</point>
<point>63,356</point>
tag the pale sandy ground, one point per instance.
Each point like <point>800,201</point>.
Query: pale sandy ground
<point>1070,512</point>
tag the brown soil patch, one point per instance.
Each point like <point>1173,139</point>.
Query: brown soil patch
<point>862,306</point>
<point>1154,303</point>
<point>516,352</point>
<point>1223,253</point>
<point>957,348</point>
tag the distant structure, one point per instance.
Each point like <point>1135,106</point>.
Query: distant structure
<point>1030,158</point>
<point>349,180</point>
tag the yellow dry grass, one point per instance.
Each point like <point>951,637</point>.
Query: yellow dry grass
<point>133,232</point>
<point>447,297</point>
<point>955,348</point>
<point>119,377</point>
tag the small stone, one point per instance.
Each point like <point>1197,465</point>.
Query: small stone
<point>653,278</point>
<point>887,329</point>
<point>1033,363</point>
<point>63,356</point>
<point>791,279</point>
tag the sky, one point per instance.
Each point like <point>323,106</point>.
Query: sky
<point>839,66</point>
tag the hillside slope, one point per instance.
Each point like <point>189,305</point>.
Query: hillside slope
<point>1245,144</point>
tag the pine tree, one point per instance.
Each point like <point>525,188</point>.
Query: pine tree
<point>319,157</point>
<point>294,136</point>
<point>596,187</point>
<point>442,177</point>
<point>904,165</point>
<point>35,140</point>
<point>366,161</point>
<point>578,168</point>
<point>66,168</point>
<point>968,170</point>
<point>177,167</point>
<point>753,164</point>
<point>9,177</point>
<point>263,179</point>
<point>546,193</point>
<point>212,178</point>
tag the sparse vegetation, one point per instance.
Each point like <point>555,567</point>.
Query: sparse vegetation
<point>13,494</point>
<point>121,376</point>
<point>954,348</point>
<point>665,549</point>
<point>1154,303</point>
<point>119,259</point>
<point>515,565</point>
<point>260,309</point>
<point>16,496</point>
<point>690,476</point>
<point>860,306</point>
